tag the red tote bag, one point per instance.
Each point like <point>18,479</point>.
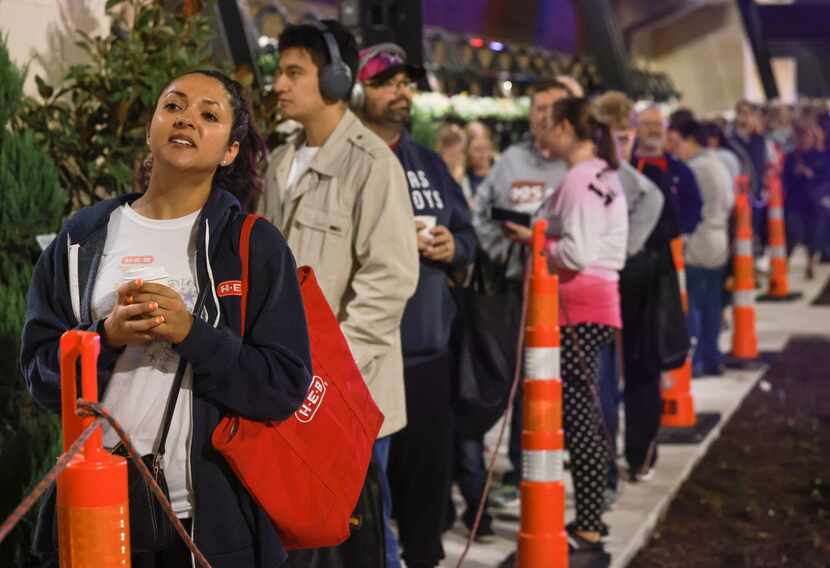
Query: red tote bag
<point>307,471</point>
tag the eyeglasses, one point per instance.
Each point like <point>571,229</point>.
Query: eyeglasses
<point>392,85</point>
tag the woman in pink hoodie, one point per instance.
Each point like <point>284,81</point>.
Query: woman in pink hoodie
<point>588,227</point>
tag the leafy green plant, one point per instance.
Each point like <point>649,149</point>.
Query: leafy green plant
<point>94,123</point>
<point>31,203</point>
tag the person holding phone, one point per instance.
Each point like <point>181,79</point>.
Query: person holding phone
<point>521,180</point>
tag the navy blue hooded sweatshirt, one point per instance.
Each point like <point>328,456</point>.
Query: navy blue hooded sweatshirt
<point>263,377</point>
<point>428,317</point>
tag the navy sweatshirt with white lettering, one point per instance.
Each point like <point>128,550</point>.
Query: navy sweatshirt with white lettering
<point>425,329</point>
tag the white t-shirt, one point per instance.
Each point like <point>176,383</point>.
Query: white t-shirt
<point>137,393</point>
<point>302,161</point>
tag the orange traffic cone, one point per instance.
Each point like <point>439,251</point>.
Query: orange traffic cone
<point>678,406</point>
<point>542,538</point>
<point>744,341</point>
<point>778,286</point>
<point>679,424</point>
<point>92,503</point>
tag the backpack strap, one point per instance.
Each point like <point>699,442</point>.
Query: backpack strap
<point>244,255</point>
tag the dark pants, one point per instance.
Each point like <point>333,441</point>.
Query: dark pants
<point>643,410</point>
<point>471,474</point>
<point>704,285</point>
<point>609,396</point>
<point>760,229</point>
<point>643,406</point>
<point>420,461</point>
<point>514,450</point>
<point>805,226</point>
<point>176,557</point>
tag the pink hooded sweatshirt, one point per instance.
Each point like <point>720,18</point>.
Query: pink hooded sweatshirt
<point>587,233</point>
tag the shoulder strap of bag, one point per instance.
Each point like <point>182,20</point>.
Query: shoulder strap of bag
<point>244,255</point>
<point>177,385</point>
<point>177,381</point>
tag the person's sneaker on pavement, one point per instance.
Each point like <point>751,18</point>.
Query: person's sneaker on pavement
<point>504,496</point>
<point>580,545</point>
<point>485,533</point>
<point>643,474</point>
<point>571,527</point>
<point>610,497</point>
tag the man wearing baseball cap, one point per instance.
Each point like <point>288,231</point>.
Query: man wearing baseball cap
<point>420,456</point>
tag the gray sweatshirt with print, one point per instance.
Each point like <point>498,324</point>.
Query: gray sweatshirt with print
<point>521,180</point>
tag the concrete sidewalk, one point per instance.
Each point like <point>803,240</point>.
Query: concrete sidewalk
<point>640,505</point>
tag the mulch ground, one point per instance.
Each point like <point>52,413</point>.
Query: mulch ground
<point>761,495</point>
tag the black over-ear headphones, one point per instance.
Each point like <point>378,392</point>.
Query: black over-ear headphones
<point>335,77</point>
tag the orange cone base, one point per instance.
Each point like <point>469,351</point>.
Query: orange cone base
<point>704,423</point>
<point>536,551</point>
<point>678,410</point>
<point>542,537</point>
<point>777,297</point>
<point>742,363</point>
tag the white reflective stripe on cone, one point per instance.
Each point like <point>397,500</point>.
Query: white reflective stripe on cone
<point>542,465</point>
<point>681,280</point>
<point>776,213</point>
<point>778,251</point>
<point>541,363</point>
<point>743,247</point>
<point>744,298</point>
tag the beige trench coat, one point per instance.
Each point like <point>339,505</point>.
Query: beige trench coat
<point>349,217</point>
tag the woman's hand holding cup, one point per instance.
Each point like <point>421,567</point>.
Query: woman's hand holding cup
<point>130,322</point>
<point>175,319</point>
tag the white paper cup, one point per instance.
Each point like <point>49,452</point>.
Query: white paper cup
<point>429,222</point>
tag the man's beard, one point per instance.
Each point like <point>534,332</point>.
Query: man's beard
<point>651,145</point>
<point>398,111</point>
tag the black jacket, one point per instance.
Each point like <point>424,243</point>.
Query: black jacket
<point>263,377</point>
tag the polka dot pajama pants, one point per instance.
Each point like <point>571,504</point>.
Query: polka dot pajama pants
<point>585,434</point>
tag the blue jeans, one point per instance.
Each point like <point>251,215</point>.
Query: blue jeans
<point>609,397</point>
<point>380,455</point>
<point>705,286</point>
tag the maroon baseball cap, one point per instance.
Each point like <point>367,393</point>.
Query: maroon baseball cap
<point>384,60</point>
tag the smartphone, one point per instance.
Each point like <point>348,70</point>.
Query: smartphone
<point>500,214</point>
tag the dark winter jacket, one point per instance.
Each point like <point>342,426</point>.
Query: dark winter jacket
<point>753,155</point>
<point>683,206</point>
<point>425,328</point>
<point>264,376</point>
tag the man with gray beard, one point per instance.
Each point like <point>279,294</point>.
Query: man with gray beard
<point>681,214</point>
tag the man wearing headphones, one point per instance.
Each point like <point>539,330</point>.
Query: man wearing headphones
<point>339,196</point>
<point>420,456</point>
